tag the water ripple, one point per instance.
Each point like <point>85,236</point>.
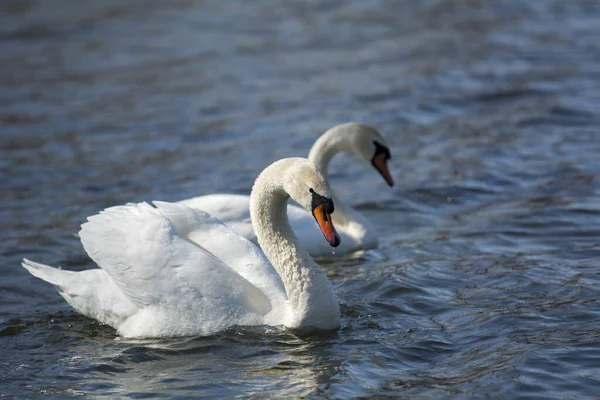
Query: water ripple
<point>485,281</point>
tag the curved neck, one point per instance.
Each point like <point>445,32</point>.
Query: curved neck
<point>338,140</point>
<point>326,146</point>
<point>307,287</point>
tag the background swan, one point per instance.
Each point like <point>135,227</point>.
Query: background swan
<point>355,229</point>
<point>177,271</point>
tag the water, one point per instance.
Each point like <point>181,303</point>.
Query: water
<point>486,281</point>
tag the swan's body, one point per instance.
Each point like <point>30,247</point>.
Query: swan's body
<point>355,229</point>
<point>177,271</point>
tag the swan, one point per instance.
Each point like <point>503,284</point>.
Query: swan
<point>171,270</point>
<point>356,231</point>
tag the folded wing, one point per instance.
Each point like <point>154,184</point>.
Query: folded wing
<point>155,266</point>
<point>233,249</point>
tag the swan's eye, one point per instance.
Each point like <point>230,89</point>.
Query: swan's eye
<point>311,190</point>
<point>381,149</point>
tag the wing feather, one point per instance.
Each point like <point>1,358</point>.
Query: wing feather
<point>227,245</point>
<point>153,264</point>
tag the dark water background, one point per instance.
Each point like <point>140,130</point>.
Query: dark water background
<point>486,283</point>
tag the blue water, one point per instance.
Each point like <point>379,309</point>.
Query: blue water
<point>486,281</point>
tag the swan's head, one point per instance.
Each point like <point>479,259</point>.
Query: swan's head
<point>305,184</point>
<point>370,146</point>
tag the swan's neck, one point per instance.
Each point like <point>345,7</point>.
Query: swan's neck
<point>327,146</point>
<point>345,217</point>
<point>309,292</point>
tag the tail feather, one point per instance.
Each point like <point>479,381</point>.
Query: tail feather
<point>57,277</point>
<point>91,292</point>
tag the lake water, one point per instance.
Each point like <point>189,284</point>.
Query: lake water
<point>486,283</point>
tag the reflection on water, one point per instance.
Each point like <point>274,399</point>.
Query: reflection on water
<point>485,283</point>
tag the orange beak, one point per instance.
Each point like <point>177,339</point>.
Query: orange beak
<point>326,224</point>
<point>380,164</point>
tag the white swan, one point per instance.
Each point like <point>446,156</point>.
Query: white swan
<point>177,271</point>
<point>354,228</point>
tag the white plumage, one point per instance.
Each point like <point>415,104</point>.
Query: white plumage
<point>355,229</point>
<point>177,271</point>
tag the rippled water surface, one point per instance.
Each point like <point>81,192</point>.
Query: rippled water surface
<point>486,281</point>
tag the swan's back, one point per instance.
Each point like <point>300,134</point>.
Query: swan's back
<point>233,249</point>
<point>173,286</point>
